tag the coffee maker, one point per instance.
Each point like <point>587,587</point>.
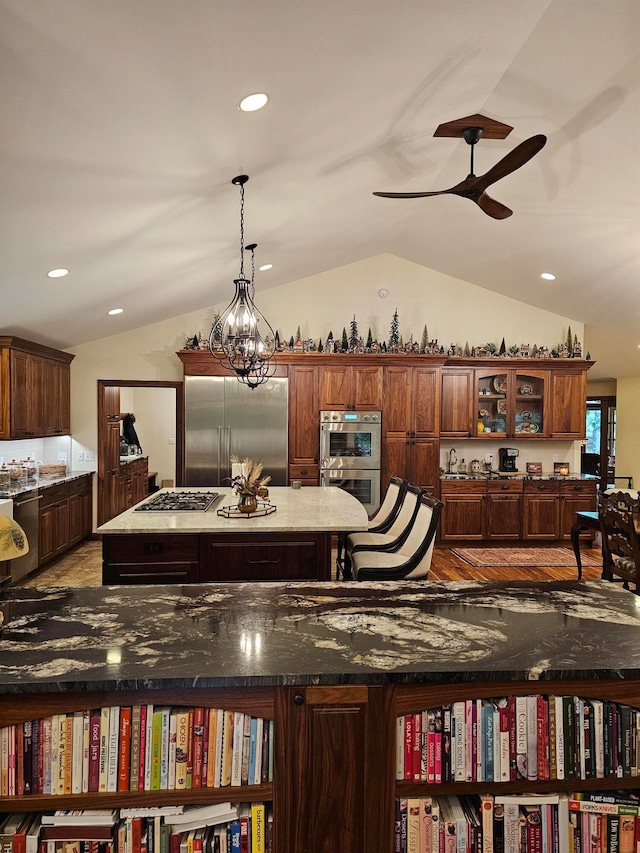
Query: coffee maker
<point>508,456</point>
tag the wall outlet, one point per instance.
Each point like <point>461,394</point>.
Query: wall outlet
<point>81,456</point>
<point>488,458</point>
<point>171,440</point>
<point>555,457</point>
<point>62,456</point>
<point>89,456</point>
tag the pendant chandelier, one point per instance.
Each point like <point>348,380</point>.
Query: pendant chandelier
<point>237,338</point>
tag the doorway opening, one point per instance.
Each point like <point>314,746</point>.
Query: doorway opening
<point>599,451</point>
<point>158,410</point>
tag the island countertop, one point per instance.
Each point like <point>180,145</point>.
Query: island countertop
<point>260,634</point>
<point>310,509</point>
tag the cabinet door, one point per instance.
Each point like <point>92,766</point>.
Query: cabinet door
<point>76,519</point>
<point>112,402</point>
<point>112,450</point>
<point>426,402</point>
<point>46,534</point>
<point>396,416</point>
<point>64,399</point>
<point>462,517</point>
<point>575,497</point>
<point>425,453</point>
<point>26,395</point>
<point>504,516</point>
<point>51,396</point>
<point>366,388</point>
<point>304,416</point>
<point>568,402</point>
<point>541,516</point>
<point>530,403</point>
<point>396,456</point>
<point>335,388</point>
<point>455,403</point>
<point>342,733</point>
<point>61,532</point>
<point>493,403</point>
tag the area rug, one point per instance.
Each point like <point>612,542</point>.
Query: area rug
<point>516,557</point>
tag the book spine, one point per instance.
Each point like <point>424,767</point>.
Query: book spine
<point>134,772</point>
<point>211,766</point>
<point>77,751</point>
<point>504,745</point>
<point>437,722</point>
<point>27,756</point>
<point>205,749</point>
<point>521,736</point>
<point>190,749</point>
<point>63,747</point>
<point>532,738</point>
<point>124,748</point>
<point>156,748</point>
<point>182,744</point>
<point>86,739</point>
<point>238,743</point>
<point>458,734</point>
<point>164,747</point>
<point>217,779</point>
<point>148,744</point>
<point>68,752</point>
<point>400,748</point>
<point>173,735</point>
<point>258,827</point>
<point>408,747</point>
<point>112,760</point>
<point>257,773</point>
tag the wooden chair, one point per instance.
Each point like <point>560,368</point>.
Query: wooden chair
<point>412,559</point>
<point>380,520</point>
<point>395,534</point>
<point>619,514</point>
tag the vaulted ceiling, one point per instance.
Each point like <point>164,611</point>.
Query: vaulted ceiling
<point>121,134</point>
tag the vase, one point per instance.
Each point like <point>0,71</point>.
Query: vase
<point>247,503</point>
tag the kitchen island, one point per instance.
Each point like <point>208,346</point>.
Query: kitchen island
<point>143,546</point>
<point>334,665</point>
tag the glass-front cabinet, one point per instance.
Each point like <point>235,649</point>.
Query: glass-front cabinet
<point>511,403</point>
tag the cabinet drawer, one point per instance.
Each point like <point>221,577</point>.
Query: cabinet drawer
<point>53,494</point>
<point>504,486</point>
<point>546,487</point>
<point>150,573</point>
<point>81,486</point>
<point>304,472</point>
<point>463,487</point>
<point>578,487</point>
<point>244,560</point>
<point>149,548</point>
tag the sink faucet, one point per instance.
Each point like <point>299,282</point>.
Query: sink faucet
<point>453,460</point>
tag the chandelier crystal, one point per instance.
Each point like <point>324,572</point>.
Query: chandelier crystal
<point>242,338</point>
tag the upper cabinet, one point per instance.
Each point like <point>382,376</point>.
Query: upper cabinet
<point>568,397</point>
<point>455,402</point>
<point>34,390</point>
<point>511,403</point>
<point>351,387</point>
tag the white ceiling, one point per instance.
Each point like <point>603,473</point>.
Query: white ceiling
<point>121,134</point>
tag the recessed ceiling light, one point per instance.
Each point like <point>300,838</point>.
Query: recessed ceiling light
<point>253,102</point>
<point>59,273</point>
<point>265,267</point>
<point>548,276</point>
<point>115,311</point>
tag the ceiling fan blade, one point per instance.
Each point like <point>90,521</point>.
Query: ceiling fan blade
<point>491,207</point>
<point>411,195</point>
<point>520,155</point>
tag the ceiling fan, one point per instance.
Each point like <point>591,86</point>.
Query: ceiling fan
<point>471,129</point>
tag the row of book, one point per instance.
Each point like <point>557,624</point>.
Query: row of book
<point>135,748</point>
<point>519,737</point>
<point>595,822</point>
<point>219,828</point>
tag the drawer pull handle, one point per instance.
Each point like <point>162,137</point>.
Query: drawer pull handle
<point>303,471</point>
<point>298,699</point>
<point>505,487</point>
<point>263,562</point>
<point>578,488</point>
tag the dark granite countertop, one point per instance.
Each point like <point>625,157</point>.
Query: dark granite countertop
<point>108,638</point>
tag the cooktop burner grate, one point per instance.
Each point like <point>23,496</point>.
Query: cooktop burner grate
<point>179,502</point>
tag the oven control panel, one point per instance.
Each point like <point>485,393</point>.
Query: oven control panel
<point>348,417</point>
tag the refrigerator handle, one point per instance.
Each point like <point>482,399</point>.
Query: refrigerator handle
<point>227,451</point>
<point>219,452</point>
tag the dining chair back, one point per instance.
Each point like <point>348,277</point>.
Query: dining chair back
<point>619,514</point>
<point>412,559</point>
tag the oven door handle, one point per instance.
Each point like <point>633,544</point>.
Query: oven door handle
<point>27,501</point>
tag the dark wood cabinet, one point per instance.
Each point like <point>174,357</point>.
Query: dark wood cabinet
<point>133,483</point>
<point>568,403</point>
<point>144,558</point>
<point>351,387</point>
<point>541,510</point>
<point>304,423</point>
<point>575,497</point>
<point>410,417</point>
<point>511,403</point>
<point>504,509</point>
<point>34,390</point>
<point>65,517</point>
<point>456,416</point>
<point>463,511</point>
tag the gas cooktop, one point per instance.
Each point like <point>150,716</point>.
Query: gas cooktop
<point>179,502</point>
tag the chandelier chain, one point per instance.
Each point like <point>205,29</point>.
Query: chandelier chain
<point>253,273</point>
<point>242,230</point>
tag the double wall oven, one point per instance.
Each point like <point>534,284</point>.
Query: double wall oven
<point>350,454</point>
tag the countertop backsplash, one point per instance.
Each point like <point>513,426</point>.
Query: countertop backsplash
<point>544,451</point>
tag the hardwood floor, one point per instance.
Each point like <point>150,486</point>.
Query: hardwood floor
<point>83,567</point>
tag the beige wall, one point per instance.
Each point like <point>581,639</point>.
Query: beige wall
<point>627,430</point>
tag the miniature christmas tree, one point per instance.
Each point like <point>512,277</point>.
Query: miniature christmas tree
<point>588,356</point>
<point>298,334</point>
<point>394,331</point>
<point>291,343</point>
<point>424,343</point>
<point>575,346</point>
<point>569,342</point>
<point>369,343</point>
<point>467,351</point>
<point>503,348</point>
<point>345,341</point>
<point>216,330</point>
<point>320,347</point>
<point>353,334</point>
<point>329,343</point>
<point>534,351</point>
<point>514,350</point>
<point>491,348</point>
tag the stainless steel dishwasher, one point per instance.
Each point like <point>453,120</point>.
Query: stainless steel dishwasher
<point>26,513</point>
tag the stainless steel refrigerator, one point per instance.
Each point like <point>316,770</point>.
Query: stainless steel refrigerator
<point>224,418</point>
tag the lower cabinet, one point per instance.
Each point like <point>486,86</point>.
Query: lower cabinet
<point>343,754</point>
<point>413,459</point>
<point>133,483</point>
<point>65,517</point>
<point>144,558</point>
<point>518,510</point>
